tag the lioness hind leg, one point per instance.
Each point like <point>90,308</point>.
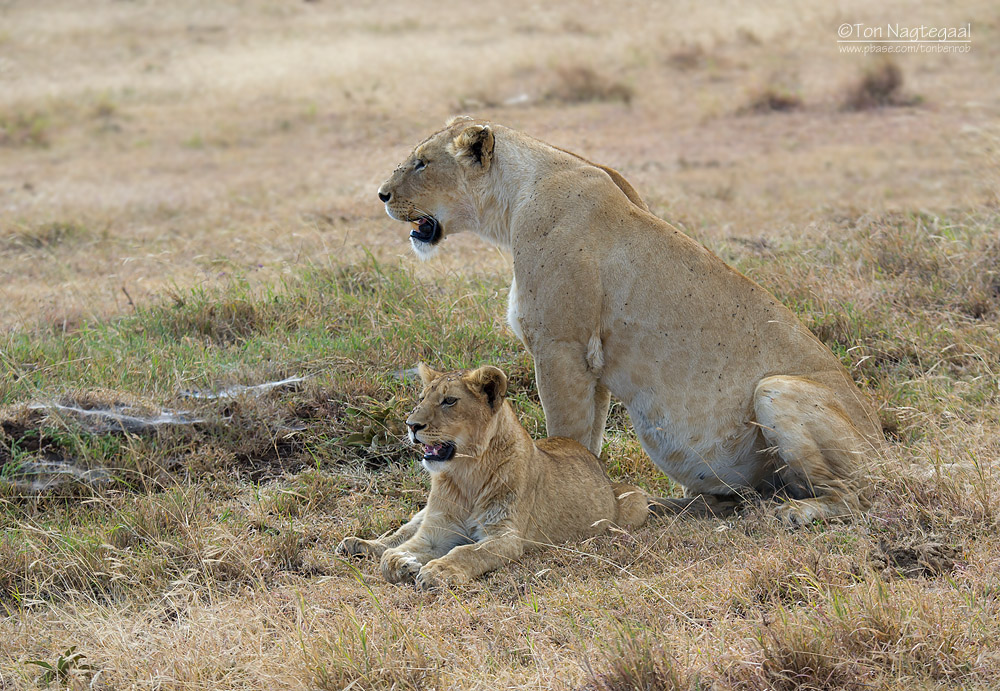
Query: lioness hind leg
<point>820,450</point>
<point>699,505</point>
<point>633,505</point>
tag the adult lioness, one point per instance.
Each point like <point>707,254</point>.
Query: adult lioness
<point>727,390</point>
<point>494,492</point>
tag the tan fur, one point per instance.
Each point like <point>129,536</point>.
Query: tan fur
<point>500,494</point>
<point>727,390</point>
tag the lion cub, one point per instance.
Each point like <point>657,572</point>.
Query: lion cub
<point>495,493</point>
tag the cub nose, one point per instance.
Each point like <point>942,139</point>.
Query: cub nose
<point>415,426</point>
<point>384,196</point>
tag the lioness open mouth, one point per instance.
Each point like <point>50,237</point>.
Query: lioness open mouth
<point>426,229</point>
<point>439,452</point>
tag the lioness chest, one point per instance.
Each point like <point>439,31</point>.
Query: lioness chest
<point>514,313</point>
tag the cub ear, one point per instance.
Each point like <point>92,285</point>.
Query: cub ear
<point>474,146</point>
<point>459,118</point>
<point>491,381</point>
<point>427,375</point>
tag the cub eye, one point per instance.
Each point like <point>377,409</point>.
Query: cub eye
<point>450,401</point>
<point>419,165</point>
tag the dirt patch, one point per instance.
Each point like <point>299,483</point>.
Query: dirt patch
<point>915,559</point>
<point>100,437</point>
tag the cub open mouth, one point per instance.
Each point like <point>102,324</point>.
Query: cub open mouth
<point>426,229</point>
<point>439,452</point>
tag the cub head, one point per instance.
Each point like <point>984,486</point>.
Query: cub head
<point>430,189</point>
<point>454,416</point>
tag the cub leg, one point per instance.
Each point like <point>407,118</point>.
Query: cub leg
<point>357,547</point>
<point>501,546</point>
<point>632,503</point>
<point>569,393</point>
<point>819,448</point>
<point>435,537</point>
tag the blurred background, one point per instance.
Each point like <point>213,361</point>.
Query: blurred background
<point>146,146</point>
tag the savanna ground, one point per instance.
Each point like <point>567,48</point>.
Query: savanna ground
<point>187,204</point>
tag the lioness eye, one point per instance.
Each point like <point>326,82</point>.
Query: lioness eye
<point>449,401</point>
<point>419,165</point>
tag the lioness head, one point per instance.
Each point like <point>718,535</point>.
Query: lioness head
<point>455,413</point>
<point>430,188</point>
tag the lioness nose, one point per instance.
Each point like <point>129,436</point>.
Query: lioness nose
<point>384,196</point>
<point>415,426</point>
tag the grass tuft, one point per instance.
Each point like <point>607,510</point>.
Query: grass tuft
<point>638,663</point>
<point>581,84</point>
<point>771,99</point>
<point>689,57</point>
<point>44,236</point>
<point>879,86</point>
<point>386,656</point>
<point>25,128</point>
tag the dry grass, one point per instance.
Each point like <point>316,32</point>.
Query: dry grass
<point>189,206</point>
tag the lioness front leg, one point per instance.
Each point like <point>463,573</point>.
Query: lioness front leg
<point>359,547</point>
<point>569,393</point>
<point>462,564</point>
<point>820,450</point>
<point>602,406</point>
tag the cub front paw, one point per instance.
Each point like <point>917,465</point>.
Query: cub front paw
<point>439,574</point>
<point>399,566</point>
<point>356,547</point>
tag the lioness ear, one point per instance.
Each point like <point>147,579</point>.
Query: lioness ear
<point>474,145</point>
<point>491,381</point>
<point>427,375</point>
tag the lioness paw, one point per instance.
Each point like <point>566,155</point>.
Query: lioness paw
<point>438,575</point>
<point>356,547</point>
<point>797,514</point>
<point>398,566</point>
